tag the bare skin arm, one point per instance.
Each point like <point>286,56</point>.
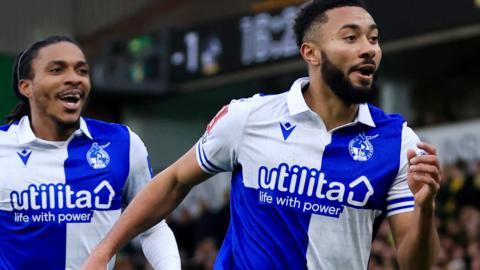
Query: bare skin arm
<point>152,204</point>
<point>416,237</point>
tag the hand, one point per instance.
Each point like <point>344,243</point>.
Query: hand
<point>424,175</point>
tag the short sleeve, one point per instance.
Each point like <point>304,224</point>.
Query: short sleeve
<point>400,198</point>
<point>217,151</point>
<point>140,172</point>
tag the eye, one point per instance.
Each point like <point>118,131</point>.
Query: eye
<point>350,38</point>
<point>83,71</point>
<point>55,70</point>
<point>374,39</point>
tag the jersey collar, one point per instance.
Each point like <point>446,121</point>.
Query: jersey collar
<point>26,135</point>
<point>84,129</point>
<point>296,103</point>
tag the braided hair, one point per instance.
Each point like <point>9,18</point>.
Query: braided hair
<point>22,70</point>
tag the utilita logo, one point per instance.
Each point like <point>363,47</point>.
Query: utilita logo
<point>61,196</point>
<point>311,183</point>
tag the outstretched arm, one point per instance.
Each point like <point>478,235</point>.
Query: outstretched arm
<point>151,205</point>
<point>415,234</point>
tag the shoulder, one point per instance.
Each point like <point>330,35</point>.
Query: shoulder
<point>409,137</point>
<point>259,101</point>
<point>394,122</point>
<point>261,104</point>
<point>6,128</point>
<point>118,131</point>
<point>269,101</point>
<point>382,118</point>
<point>9,135</point>
<point>101,128</point>
<point>242,107</point>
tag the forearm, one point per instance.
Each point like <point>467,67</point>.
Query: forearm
<point>148,208</point>
<point>420,246</point>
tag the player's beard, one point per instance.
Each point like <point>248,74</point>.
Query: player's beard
<point>342,87</point>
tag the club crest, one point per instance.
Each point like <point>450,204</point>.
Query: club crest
<point>97,157</point>
<point>360,147</point>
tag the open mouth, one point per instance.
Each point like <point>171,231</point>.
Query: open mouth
<point>70,98</point>
<point>366,70</point>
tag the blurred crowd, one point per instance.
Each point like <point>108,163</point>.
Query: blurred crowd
<point>201,221</point>
<point>457,218</point>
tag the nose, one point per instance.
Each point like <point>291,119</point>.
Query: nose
<point>368,50</point>
<point>369,54</point>
<point>73,78</point>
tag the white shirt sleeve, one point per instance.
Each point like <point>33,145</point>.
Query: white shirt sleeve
<point>160,247</point>
<point>140,172</point>
<point>217,150</point>
<point>158,243</point>
<point>400,198</point>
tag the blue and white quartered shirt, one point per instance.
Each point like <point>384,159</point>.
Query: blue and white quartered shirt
<point>59,199</point>
<point>303,197</point>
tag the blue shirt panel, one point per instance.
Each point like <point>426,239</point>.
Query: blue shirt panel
<point>381,168</point>
<point>116,142</point>
<point>260,236</point>
<point>42,245</point>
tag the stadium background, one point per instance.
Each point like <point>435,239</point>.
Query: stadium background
<point>164,67</point>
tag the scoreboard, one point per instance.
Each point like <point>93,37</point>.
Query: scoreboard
<point>155,63</point>
<point>232,45</point>
<point>159,62</point>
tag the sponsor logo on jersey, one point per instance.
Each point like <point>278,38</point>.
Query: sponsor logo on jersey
<point>97,157</point>
<point>60,203</point>
<point>61,196</point>
<point>307,190</point>
<point>360,147</point>
<point>217,117</point>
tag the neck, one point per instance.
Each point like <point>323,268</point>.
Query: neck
<point>51,130</point>
<point>333,111</point>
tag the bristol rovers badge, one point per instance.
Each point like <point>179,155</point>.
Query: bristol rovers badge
<point>97,157</point>
<point>360,147</point>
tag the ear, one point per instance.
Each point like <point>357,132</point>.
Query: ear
<point>25,87</point>
<point>310,53</point>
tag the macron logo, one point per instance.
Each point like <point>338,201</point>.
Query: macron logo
<point>24,156</point>
<point>287,129</point>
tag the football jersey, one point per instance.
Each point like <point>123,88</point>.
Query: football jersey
<point>59,199</point>
<point>303,197</point>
